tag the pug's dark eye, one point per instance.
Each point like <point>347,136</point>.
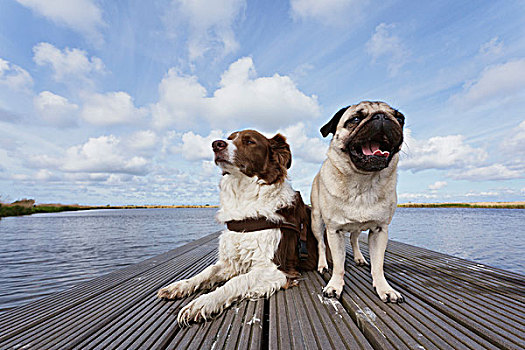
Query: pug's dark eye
<point>353,121</point>
<point>250,142</point>
<point>400,117</point>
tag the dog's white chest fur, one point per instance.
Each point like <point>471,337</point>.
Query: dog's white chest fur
<point>244,251</point>
<point>242,198</point>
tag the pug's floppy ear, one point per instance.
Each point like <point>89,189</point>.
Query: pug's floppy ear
<point>281,150</point>
<point>331,126</point>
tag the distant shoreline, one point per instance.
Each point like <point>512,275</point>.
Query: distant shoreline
<point>486,205</point>
<point>163,206</point>
<point>17,210</point>
<point>21,210</point>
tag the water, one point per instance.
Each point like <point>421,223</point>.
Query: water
<point>46,253</point>
<point>494,237</point>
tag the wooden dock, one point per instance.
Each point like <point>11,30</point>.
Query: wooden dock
<point>450,304</point>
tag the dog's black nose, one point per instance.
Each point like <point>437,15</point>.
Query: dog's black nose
<point>380,116</point>
<point>218,145</point>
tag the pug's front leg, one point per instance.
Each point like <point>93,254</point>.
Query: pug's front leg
<point>318,231</point>
<point>336,242</point>
<point>377,242</point>
<point>358,256</point>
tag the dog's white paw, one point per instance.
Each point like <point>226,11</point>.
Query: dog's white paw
<point>198,310</point>
<point>389,294</point>
<point>360,261</point>
<point>175,290</point>
<point>322,266</point>
<point>332,292</point>
<point>334,288</point>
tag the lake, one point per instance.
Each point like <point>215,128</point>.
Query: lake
<point>46,253</point>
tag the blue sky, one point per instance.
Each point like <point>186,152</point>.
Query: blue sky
<point>118,101</point>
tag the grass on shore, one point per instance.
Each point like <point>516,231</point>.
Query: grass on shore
<point>18,210</point>
<point>486,205</point>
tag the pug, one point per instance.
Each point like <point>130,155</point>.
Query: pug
<point>355,190</point>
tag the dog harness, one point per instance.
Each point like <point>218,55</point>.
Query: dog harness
<point>250,225</point>
<point>296,236</point>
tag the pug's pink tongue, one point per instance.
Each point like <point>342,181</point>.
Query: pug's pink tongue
<point>372,148</point>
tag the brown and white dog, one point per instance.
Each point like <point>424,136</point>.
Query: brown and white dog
<point>258,252</point>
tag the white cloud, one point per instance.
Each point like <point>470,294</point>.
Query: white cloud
<point>14,77</point>
<point>492,48</point>
<point>111,108</point>
<point>67,64</point>
<point>266,102</point>
<point>494,83</point>
<point>492,172</point>
<point>181,100</point>
<point>55,109</point>
<point>209,22</point>
<point>142,141</point>
<point>83,16</point>
<point>437,185</point>
<point>328,12</point>
<point>209,168</point>
<point>515,143</point>
<point>45,175</point>
<point>385,44</point>
<point>105,154</point>
<point>98,157</point>
<point>439,152</point>
<point>197,147</point>
<point>412,196</point>
<point>309,149</point>
<point>464,161</point>
<point>483,194</point>
<point>242,99</point>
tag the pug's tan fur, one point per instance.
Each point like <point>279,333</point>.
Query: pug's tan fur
<point>347,198</point>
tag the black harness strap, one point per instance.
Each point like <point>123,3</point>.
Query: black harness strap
<point>251,225</point>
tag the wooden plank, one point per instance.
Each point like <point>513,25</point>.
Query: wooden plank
<point>145,317</point>
<point>301,318</point>
<point>412,316</point>
<point>102,308</point>
<point>451,304</point>
<point>450,296</point>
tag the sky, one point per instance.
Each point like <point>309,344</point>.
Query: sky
<point>117,102</point>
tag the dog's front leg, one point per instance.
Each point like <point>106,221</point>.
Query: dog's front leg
<point>254,284</point>
<point>206,279</point>
<point>336,242</point>
<point>318,231</point>
<point>377,242</point>
<point>358,256</point>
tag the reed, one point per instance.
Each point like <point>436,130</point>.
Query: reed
<point>486,205</point>
<point>18,210</point>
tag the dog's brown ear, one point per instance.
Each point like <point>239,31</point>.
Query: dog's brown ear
<point>331,126</point>
<point>281,150</point>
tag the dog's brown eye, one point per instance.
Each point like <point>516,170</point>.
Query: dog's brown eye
<point>401,120</point>
<point>250,142</point>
